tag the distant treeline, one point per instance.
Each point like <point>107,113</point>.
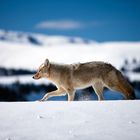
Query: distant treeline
<point>137,69</point>
<point>133,66</point>
<point>11,72</point>
<point>18,91</point>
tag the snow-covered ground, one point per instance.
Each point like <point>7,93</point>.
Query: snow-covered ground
<point>92,120</point>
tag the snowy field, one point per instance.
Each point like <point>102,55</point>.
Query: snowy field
<point>28,51</point>
<point>92,120</point>
<point>31,56</point>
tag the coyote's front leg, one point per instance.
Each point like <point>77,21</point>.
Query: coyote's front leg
<point>58,92</point>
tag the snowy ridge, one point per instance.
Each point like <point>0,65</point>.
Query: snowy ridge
<point>85,120</point>
<point>39,39</point>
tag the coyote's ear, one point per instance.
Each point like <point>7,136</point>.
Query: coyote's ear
<point>47,63</point>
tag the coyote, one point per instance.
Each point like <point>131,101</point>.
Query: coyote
<point>69,77</point>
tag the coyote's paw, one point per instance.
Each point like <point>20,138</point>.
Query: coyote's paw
<point>42,100</point>
<point>37,101</point>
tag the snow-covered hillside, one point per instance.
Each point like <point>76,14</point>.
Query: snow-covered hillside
<point>18,51</point>
<point>39,39</point>
<point>95,120</point>
<point>30,57</point>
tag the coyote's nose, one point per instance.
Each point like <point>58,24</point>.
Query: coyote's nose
<point>33,77</point>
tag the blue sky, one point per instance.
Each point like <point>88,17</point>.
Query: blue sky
<point>100,20</point>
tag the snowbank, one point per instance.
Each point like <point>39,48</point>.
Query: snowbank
<point>29,56</point>
<point>105,120</point>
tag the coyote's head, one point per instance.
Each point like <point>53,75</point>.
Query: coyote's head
<point>43,70</point>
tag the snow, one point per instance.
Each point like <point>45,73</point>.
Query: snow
<point>17,52</point>
<point>39,39</point>
<point>133,76</point>
<point>24,79</point>
<point>30,57</point>
<point>83,120</point>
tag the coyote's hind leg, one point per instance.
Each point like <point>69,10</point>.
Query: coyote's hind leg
<point>71,94</point>
<point>98,88</point>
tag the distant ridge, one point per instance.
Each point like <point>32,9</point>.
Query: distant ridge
<point>40,39</point>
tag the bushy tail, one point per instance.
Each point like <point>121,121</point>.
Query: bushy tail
<point>133,96</point>
<point>127,88</point>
